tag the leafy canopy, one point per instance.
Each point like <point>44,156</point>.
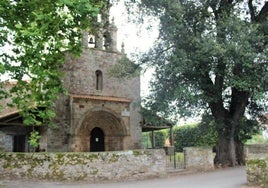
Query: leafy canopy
<point>209,55</point>
<point>34,37</point>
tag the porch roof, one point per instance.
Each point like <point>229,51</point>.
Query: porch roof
<point>151,121</point>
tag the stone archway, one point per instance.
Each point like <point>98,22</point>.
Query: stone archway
<point>113,128</point>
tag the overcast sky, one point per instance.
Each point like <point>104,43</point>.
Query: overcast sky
<point>136,39</point>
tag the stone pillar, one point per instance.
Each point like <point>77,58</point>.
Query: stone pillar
<point>99,40</point>
<point>85,39</point>
<point>113,33</point>
<point>198,158</point>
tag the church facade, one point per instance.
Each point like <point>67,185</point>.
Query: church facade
<point>99,113</point>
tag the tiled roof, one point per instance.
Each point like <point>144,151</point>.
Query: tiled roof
<point>9,113</point>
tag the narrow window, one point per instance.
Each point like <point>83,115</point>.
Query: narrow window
<point>99,80</point>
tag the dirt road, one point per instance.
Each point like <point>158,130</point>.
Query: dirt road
<point>224,178</point>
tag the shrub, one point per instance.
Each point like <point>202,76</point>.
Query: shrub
<point>160,137</point>
<point>201,134</point>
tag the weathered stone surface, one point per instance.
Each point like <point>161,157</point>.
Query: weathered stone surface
<point>78,114</point>
<point>114,166</point>
<point>198,158</point>
<point>256,149</point>
<point>114,108</point>
<point>257,170</point>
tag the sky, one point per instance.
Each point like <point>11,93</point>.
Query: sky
<point>136,39</point>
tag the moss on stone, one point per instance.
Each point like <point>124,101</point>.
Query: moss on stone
<point>257,162</point>
<point>92,157</point>
<point>114,157</point>
<point>81,177</point>
<point>69,166</point>
<point>137,153</point>
<point>94,171</point>
<point>257,169</point>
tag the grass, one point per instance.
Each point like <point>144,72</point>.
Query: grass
<point>257,139</point>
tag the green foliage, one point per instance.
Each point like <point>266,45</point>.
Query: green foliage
<point>150,117</point>
<point>34,39</point>
<point>146,140</point>
<point>257,139</point>
<point>34,139</point>
<point>210,56</point>
<point>192,53</point>
<point>248,128</point>
<point>160,138</point>
<point>124,69</point>
<point>202,134</point>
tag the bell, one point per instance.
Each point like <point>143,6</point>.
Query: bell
<point>91,40</point>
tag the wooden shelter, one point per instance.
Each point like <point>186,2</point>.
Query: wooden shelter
<point>152,122</point>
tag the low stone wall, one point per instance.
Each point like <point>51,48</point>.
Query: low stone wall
<point>257,170</point>
<point>256,149</point>
<point>198,158</point>
<point>92,167</point>
<point>257,165</point>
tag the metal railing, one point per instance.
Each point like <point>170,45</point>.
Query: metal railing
<point>174,160</point>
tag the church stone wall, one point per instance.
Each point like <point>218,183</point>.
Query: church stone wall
<point>80,79</point>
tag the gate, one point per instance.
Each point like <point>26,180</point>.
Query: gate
<point>174,160</point>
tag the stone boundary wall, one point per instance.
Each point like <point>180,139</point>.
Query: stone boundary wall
<point>198,158</point>
<point>256,149</point>
<point>257,170</point>
<point>91,167</point>
<point>257,165</point>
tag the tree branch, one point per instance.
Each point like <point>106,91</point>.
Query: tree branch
<point>263,13</point>
<point>251,11</point>
<point>239,101</point>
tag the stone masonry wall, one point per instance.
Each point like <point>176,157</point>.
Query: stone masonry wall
<point>91,167</point>
<point>198,158</point>
<point>256,149</point>
<point>257,165</point>
<point>257,170</point>
<point>80,79</point>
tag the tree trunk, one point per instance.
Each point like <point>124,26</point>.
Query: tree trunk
<point>229,151</point>
<point>240,155</point>
<point>222,150</point>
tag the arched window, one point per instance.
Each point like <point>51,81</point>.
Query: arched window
<point>91,41</point>
<point>99,80</point>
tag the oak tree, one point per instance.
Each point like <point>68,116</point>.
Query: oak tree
<point>211,55</point>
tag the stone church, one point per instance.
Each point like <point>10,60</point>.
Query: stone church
<point>99,113</point>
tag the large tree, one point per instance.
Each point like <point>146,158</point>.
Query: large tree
<point>211,55</point>
<point>35,35</point>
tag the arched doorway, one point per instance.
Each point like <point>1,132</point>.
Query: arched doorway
<point>97,140</point>
<point>101,131</point>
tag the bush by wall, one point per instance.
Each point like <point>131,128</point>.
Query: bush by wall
<point>201,134</point>
<point>160,138</point>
